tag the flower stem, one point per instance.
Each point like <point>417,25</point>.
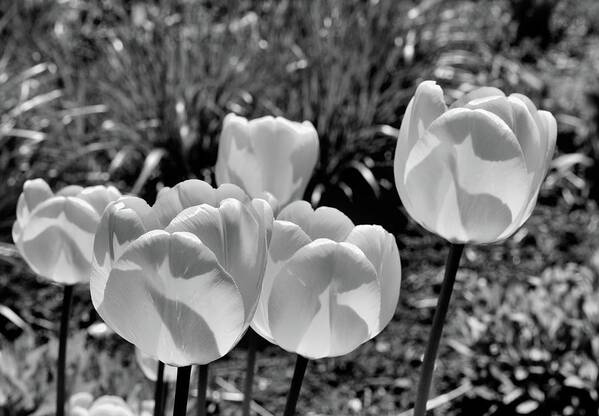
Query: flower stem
<point>202,387</point>
<point>164,396</point>
<point>249,372</point>
<point>182,391</point>
<point>430,355</point>
<point>159,389</point>
<point>296,384</point>
<point>67,298</point>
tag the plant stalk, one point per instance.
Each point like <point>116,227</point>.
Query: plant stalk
<point>67,300</point>
<point>159,390</point>
<point>249,372</point>
<point>202,388</point>
<point>182,391</point>
<point>430,355</point>
<point>296,384</point>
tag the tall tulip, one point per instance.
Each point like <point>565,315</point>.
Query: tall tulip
<point>329,286</point>
<point>470,173</point>
<point>54,234</point>
<point>181,279</point>
<point>267,154</point>
<point>270,158</point>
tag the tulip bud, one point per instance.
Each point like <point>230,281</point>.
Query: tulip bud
<point>329,286</point>
<point>83,404</point>
<point>267,154</point>
<point>472,173</point>
<point>181,279</point>
<point>55,232</point>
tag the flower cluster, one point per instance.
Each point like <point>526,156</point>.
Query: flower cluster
<point>183,279</point>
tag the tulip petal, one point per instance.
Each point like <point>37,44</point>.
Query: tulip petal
<point>237,238</point>
<point>99,196</point>
<point>287,238</point>
<point>527,132</point>
<point>189,193</point>
<point>70,190</point>
<point>187,308</point>
<point>57,240</point>
<point>380,248</point>
<point>22,217</point>
<point>466,179</point>
<point>325,301</point>
<point>229,190</point>
<point>35,192</point>
<point>123,221</point>
<point>324,222</point>
<point>550,128</point>
<point>264,211</point>
<point>548,141</point>
<point>476,94</point>
<point>426,105</point>
<point>532,109</point>
<point>496,104</point>
<point>81,399</point>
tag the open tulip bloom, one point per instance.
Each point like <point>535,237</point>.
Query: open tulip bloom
<point>329,286</point>
<point>270,158</point>
<point>54,233</point>
<point>267,155</point>
<point>470,173</point>
<point>181,279</point>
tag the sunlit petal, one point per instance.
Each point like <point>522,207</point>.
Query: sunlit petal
<point>426,105</point>
<point>35,192</point>
<point>187,309</point>
<point>380,248</point>
<point>324,222</point>
<point>57,240</point>
<point>123,221</point>
<point>287,238</point>
<point>325,301</point>
<point>477,94</point>
<point>474,173</point>
<point>172,201</point>
<point>99,196</point>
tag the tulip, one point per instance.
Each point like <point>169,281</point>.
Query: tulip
<point>83,404</point>
<point>267,155</point>
<point>329,285</point>
<point>181,279</point>
<point>270,158</point>
<point>472,173</point>
<point>54,234</point>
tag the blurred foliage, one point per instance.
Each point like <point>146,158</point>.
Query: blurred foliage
<point>134,93</point>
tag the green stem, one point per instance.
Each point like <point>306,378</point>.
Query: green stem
<point>182,391</point>
<point>249,372</point>
<point>296,384</point>
<point>202,387</point>
<point>159,389</point>
<point>430,355</point>
<point>67,298</point>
